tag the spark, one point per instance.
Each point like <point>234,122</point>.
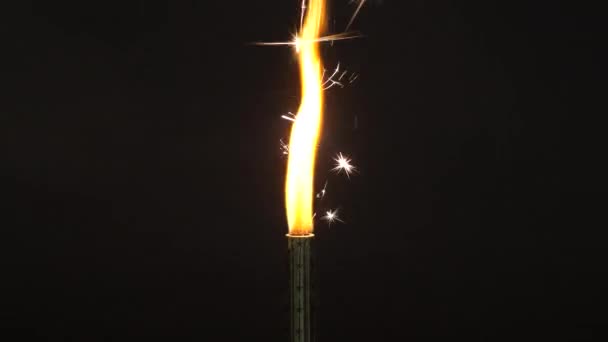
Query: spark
<point>302,15</point>
<point>352,19</point>
<point>297,41</point>
<point>284,147</point>
<point>289,116</point>
<point>321,193</point>
<point>333,83</point>
<point>332,75</point>
<point>352,78</point>
<point>330,80</point>
<point>344,164</point>
<point>331,216</point>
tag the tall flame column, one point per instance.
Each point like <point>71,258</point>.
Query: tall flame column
<point>300,169</point>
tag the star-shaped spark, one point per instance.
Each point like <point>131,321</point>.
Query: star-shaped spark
<point>343,164</point>
<point>331,216</point>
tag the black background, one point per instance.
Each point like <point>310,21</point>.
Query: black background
<point>143,180</point>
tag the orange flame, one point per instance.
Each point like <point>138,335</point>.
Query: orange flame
<point>307,126</point>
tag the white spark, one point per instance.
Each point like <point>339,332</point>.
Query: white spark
<point>289,116</point>
<point>352,19</point>
<point>296,42</point>
<point>330,80</point>
<point>284,147</point>
<point>344,164</point>
<point>333,83</point>
<point>302,15</point>
<point>321,193</point>
<point>331,216</point>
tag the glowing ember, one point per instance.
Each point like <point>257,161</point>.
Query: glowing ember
<point>307,126</point>
<point>343,164</point>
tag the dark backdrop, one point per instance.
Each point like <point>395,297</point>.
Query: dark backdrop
<point>142,176</point>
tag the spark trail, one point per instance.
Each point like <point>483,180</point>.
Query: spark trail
<point>352,19</point>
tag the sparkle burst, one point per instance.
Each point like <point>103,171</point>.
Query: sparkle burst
<point>331,216</point>
<point>343,164</point>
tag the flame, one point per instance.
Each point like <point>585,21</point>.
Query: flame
<point>307,125</point>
